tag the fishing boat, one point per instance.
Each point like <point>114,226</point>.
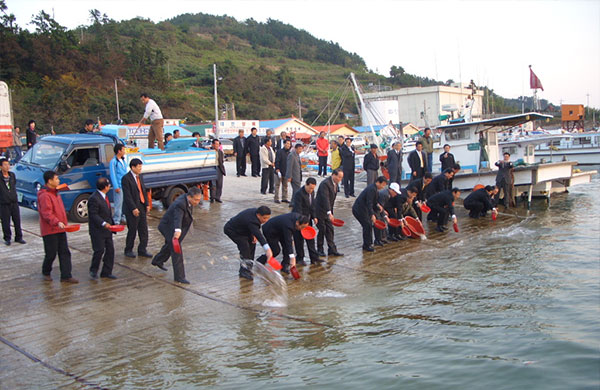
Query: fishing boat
<point>584,148</point>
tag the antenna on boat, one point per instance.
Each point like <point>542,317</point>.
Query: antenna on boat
<point>362,103</point>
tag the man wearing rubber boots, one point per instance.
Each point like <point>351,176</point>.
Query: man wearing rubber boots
<point>244,230</point>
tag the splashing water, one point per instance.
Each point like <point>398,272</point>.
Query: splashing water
<point>275,282</point>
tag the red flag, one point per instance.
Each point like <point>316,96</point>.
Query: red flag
<point>534,81</point>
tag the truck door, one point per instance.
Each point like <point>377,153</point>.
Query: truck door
<point>83,169</point>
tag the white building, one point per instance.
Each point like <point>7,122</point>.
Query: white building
<point>422,106</point>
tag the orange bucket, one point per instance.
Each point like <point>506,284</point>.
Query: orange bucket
<point>116,228</point>
<point>308,233</point>
<point>478,187</point>
<point>379,225</point>
<point>72,228</point>
<point>337,222</point>
<point>393,222</point>
<point>274,264</point>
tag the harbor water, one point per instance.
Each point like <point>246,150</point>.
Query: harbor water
<point>511,304</point>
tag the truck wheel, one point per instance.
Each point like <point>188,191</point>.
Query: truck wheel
<point>79,210</point>
<point>172,194</point>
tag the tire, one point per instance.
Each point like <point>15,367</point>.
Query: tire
<point>172,195</point>
<point>79,210</point>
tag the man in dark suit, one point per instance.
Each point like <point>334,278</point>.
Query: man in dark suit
<point>135,206</point>
<point>174,225</point>
<point>239,151</point>
<point>9,206</point>
<point>479,202</point>
<point>303,202</point>
<point>253,148</point>
<point>394,162</point>
<point>371,164</point>
<point>417,161</point>
<point>280,171</point>
<point>439,183</point>
<point>366,207</point>
<point>447,158</point>
<point>293,169</point>
<point>421,186</point>
<point>280,230</point>
<point>100,220</point>
<point>324,202</point>
<point>442,206</point>
<point>348,165</point>
<point>504,180</point>
<point>216,187</point>
<point>244,230</point>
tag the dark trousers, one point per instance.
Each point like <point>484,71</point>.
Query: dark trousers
<point>57,244</point>
<point>102,246</point>
<point>8,211</point>
<point>295,186</point>
<point>348,182</point>
<point>420,172</point>
<point>244,244</point>
<point>136,226</point>
<point>438,214</point>
<point>299,245</point>
<point>325,233</point>
<point>392,231</point>
<point>255,161</point>
<point>429,162</point>
<point>395,175</point>
<point>505,188</point>
<point>276,249</point>
<point>177,258</point>
<point>268,177</point>
<point>216,186</point>
<point>367,227</point>
<point>323,165</point>
<point>240,164</point>
<point>475,208</point>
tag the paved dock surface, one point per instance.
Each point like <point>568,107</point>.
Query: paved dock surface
<point>110,333</point>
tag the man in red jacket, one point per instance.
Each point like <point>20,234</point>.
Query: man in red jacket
<point>53,220</point>
<point>323,152</point>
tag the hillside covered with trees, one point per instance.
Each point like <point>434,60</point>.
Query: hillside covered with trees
<point>60,77</point>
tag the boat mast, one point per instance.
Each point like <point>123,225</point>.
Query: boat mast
<point>216,104</point>
<point>362,104</point>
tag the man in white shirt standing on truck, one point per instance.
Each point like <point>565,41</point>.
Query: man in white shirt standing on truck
<point>157,122</point>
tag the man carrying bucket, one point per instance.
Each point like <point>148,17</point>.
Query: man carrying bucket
<point>325,200</point>
<point>442,205</point>
<point>303,202</point>
<point>244,230</point>
<point>280,231</point>
<point>174,226</point>
<point>364,209</point>
<point>388,199</point>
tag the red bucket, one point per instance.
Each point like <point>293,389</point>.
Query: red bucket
<point>494,216</point>
<point>116,228</point>
<point>425,208</point>
<point>176,245</point>
<point>294,272</point>
<point>72,228</point>
<point>308,233</point>
<point>415,226</point>
<point>393,222</point>
<point>337,222</point>
<point>274,264</point>
<point>379,225</point>
<point>406,231</point>
<point>455,227</point>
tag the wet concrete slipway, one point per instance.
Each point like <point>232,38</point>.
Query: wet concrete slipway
<point>507,304</point>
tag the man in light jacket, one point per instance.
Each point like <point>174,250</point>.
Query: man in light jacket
<point>293,172</point>
<point>267,162</point>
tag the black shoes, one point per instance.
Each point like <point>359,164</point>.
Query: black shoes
<point>218,201</point>
<point>317,261</point>
<point>392,238</point>
<point>7,242</point>
<point>369,248</point>
<point>130,254</point>
<point>21,241</point>
<point>159,265</point>
<point>300,262</point>
<point>246,273</point>
<point>286,269</point>
<point>439,229</point>
<point>285,201</point>
<point>111,276</point>
<point>335,253</point>
<point>276,201</point>
<point>378,243</point>
<point>182,281</point>
<point>145,254</point>
<point>93,275</point>
<point>321,253</point>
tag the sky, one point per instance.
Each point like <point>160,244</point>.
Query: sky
<point>490,42</point>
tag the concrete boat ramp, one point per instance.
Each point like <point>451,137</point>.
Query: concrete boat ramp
<point>134,332</point>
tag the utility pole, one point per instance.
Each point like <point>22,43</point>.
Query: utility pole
<point>216,104</point>
<point>117,98</point>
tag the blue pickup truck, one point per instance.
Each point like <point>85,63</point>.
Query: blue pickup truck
<point>80,159</point>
